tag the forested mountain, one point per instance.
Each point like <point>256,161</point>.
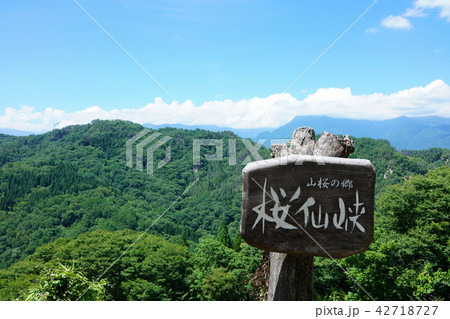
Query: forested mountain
<point>69,206</point>
<point>69,181</point>
<point>242,132</point>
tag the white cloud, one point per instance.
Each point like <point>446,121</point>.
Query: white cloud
<point>442,5</point>
<point>414,12</point>
<point>396,22</point>
<point>372,30</point>
<point>432,99</point>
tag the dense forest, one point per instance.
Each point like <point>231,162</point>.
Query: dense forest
<point>73,216</point>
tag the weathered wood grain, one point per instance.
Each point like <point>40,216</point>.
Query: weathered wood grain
<point>313,205</point>
<point>291,275</point>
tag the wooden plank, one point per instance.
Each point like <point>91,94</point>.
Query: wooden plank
<point>309,205</point>
<point>291,277</point>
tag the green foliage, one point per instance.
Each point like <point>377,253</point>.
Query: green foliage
<point>152,268</point>
<point>237,242</point>
<point>220,284</point>
<point>435,157</point>
<point>74,180</point>
<point>393,167</point>
<point>183,239</point>
<point>422,201</point>
<point>409,257</point>
<point>18,277</point>
<point>67,196</point>
<point>133,266</point>
<point>223,236</point>
<point>64,283</point>
<point>221,273</point>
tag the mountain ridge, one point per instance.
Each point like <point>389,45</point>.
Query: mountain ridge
<point>68,196</point>
<point>404,133</point>
<point>241,132</point>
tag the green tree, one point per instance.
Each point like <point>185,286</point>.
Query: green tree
<point>221,273</point>
<point>152,269</point>
<point>409,256</point>
<point>74,180</point>
<point>64,283</point>
<point>223,236</point>
<point>237,242</point>
<point>221,285</point>
<point>183,239</point>
<point>61,189</point>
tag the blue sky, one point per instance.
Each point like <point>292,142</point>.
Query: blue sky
<point>223,62</point>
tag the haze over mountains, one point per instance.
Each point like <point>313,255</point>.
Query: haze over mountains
<point>404,133</point>
<point>14,132</point>
<point>242,132</point>
<point>411,133</point>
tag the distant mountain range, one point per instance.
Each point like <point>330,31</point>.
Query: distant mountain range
<point>404,133</point>
<point>11,131</point>
<point>244,132</point>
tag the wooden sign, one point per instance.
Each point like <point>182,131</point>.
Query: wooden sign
<point>309,205</point>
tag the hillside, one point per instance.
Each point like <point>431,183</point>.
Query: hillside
<point>243,132</point>
<point>69,181</point>
<point>404,133</point>
<point>72,182</point>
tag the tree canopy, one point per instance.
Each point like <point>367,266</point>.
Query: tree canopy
<point>70,206</point>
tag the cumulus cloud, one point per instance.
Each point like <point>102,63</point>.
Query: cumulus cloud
<point>442,5</point>
<point>414,12</point>
<point>400,22</point>
<point>27,119</point>
<point>396,22</point>
<point>272,111</point>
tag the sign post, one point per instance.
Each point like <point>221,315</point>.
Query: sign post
<point>302,205</point>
